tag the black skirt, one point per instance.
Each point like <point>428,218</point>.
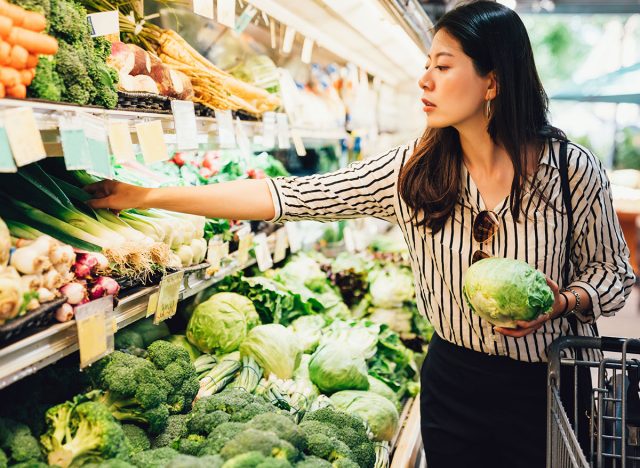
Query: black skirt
<point>479,410</point>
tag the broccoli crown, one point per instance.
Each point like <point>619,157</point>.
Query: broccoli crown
<point>346,463</point>
<point>264,442</point>
<point>221,435</point>
<point>111,463</point>
<point>136,438</point>
<point>314,462</point>
<point>176,429</point>
<point>162,353</point>
<point>17,442</point>
<point>82,432</point>
<point>188,461</point>
<point>155,458</point>
<point>326,447</point>
<point>31,464</point>
<point>191,445</point>
<point>282,426</point>
<point>205,423</point>
<point>245,460</point>
<point>128,339</point>
<point>335,418</point>
<point>274,463</point>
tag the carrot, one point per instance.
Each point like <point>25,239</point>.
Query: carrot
<point>18,57</point>
<point>17,91</point>
<point>9,76</point>
<point>34,42</point>
<point>32,61</point>
<point>26,76</point>
<point>2,91</point>
<point>14,12</point>
<point>34,21</point>
<point>5,51</point>
<point>5,26</point>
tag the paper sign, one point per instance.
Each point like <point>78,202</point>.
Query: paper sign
<point>307,50</point>
<point>269,129</point>
<point>24,137</point>
<point>245,18</point>
<point>203,8</point>
<point>243,142</point>
<point>168,296</point>
<point>95,329</point>
<point>349,240</point>
<point>293,234</point>
<point>244,245</point>
<point>263,255</point>
<point>75,147</point>
<point>280,251</point>
<point>287,42</point>
<point>151,139</point>
<point>216,252</point>
<point>184,118</point>
<point>226,132</point>
<point>272,33</point>
<point>283,131</point>
<point>298,144</point>
<point>152,305</point>
<point>227,12</point>
<point>103,23</point>
<point>100,160</point>
<point>6,158</point>
<point>120,141</point>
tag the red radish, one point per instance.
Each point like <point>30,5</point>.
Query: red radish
<point>105,286</point>
<point>64,313</point>
<point>74,292</point>
<point>178,160</point>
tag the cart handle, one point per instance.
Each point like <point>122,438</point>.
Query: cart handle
<point>603,343</point>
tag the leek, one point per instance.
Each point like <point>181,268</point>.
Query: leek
<point>144,225</point>
<point>22,231</point>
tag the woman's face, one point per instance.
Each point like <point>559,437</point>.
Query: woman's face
<point>452,91</point>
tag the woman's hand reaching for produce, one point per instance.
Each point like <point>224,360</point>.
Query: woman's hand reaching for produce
<point>525,328</point>
<point>117,195</point>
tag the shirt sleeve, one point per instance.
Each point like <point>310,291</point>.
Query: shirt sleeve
<point>364,188</point>
<point>600,254</point>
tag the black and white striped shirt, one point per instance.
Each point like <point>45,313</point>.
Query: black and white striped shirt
<point>600,257</point>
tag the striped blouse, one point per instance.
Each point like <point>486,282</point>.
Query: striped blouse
<point>599,257</point>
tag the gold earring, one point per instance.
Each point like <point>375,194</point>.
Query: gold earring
<point>487,109</point>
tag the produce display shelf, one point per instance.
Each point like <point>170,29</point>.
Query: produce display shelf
<point>48,115</point>
<point>406,448</point>
<point>34,352</point>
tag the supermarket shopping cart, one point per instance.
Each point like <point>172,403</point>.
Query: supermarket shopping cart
<point>613,419</point>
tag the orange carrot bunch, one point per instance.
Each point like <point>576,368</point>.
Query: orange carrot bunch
<point>21,43</point>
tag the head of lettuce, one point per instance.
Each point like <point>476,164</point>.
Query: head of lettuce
<point>501,291</point>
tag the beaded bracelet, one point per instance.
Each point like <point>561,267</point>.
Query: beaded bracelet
<point>576,308</point>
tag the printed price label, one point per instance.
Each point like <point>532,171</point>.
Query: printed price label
<point>168,296</point>
<point>269,129</point>
<point>75,147</point>
<point>307,50</point>
<point>263,255</point>
<point>226,133</point>
<point>227,12</point>
<point>24,137</point>
<point>203,8</point>
<point>152,305</point>
<point>215,252</point>
<point>287,42</point>
<point>151,139</point>
<point>283,130</point>
<point>7,163</point>
<point>96,132</point>
<point>95,330</point>
<point>245,243</point>
<point>243,142</point>
<point>184,118</point>
<point>103,23</point>
<point>295,239</point>
<point>298,144</point>
<point>280,251</point>
<point>349,240</point>
<point>120,141</point>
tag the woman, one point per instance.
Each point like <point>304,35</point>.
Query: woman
<point>481,163</point>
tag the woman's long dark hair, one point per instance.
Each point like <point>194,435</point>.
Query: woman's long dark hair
<point>496,40</point>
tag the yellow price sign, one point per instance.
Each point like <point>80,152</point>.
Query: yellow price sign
<point>95,330</point>
<point>168,296</point>
<point>245,242</point>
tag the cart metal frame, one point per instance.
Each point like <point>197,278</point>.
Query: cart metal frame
<point>614,427</point>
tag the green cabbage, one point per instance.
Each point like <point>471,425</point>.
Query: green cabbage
<point>335,367</point>
<point>382,389</point>
<point>219,324</point>
<point>501,291</point>
<point>275,348</point>
<point>308,330</point>
<point>391,286</point>
<point>380,414</point>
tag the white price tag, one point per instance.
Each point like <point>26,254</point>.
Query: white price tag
<point>95,129</point>
<point>349,239</point>
<point>214,253</point>
<point>168,295</point>
<point>226,133</point>
<point>298,144</point>
<point>269,129</point>
<point>287,42</point>
<point>24,137</point>
<point>307,50</point>
<point>75,147</point>
<point>245,18</point>
<point>295,239</point>
<point>227,12</point>
<point>280,251</point>
<point>120,141</point>
<point>184,118</point>
<point>243,142</point>
<point>272,33</point>
<point>283,131</point>
<point>263,255</point>
<point>245,242</point>
<point>103,23</point>
<point>203,8</point>
<point>95,329</point>
<point>151,139</point>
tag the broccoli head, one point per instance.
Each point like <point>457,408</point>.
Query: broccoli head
<point>346,463</point>
<point>274,463</point>
<point>132,388</point>
<point>205,423</point>
<point>245,460</point>
<point>188,461</point>
<point>191,445</point>
<point>127,339</point>
<point>31,464</point>
<point>155,458</point>
<point>136,438</point>
<point>220,436</point>
<point>111,463</point>
<point>267,443</point>
<point>79,432</point>
<point>327,448</point>
<point>282,426</point>
<point>17,442</point>
<point>176,429</point>
<point>314,462</point>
